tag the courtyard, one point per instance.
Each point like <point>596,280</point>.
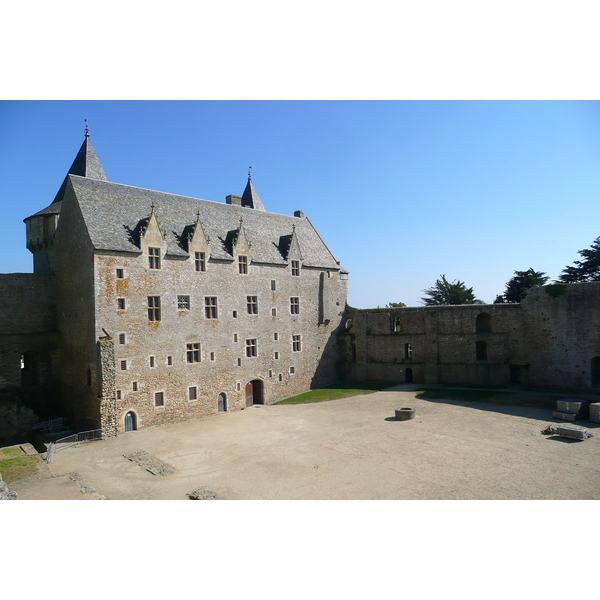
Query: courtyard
<point>351,448</point>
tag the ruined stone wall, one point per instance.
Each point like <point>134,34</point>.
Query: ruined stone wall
<point>27,325</point>
<point>224,366</point>
<point>548,340</point>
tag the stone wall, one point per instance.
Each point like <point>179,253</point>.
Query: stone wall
<point>548,340</point>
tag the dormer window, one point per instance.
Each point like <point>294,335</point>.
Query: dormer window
<point>295,268</point>
<point>243,265</point>
<point>154,258</point>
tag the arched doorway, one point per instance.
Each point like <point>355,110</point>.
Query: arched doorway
<point>254,392</point>
<point>596,371</point>
<point>408,376</point>
<point>130,422</point>
<point>222,402</point>
<point>483,323</point>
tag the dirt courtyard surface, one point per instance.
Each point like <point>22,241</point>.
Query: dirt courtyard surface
<point>351,448</point>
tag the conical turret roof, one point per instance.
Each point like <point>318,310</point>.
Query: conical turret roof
<point>250,197</point>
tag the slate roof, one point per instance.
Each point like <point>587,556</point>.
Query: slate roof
<point>86,164</point>
<point>115,215</point>
<point>250,197</point>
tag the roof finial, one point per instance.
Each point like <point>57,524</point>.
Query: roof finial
<point>249,174</point>
<point>87,129</point>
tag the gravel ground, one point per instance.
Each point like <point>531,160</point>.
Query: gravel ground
<point>352,448</point>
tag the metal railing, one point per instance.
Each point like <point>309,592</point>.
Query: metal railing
<point>72,440</point>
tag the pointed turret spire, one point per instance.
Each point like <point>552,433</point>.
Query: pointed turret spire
<point>86,163</point>
<point>250,197</point>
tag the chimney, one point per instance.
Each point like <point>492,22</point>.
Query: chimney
<point>237,200</point>
<point>299,213</point>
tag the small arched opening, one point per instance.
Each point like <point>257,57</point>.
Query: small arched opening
<point>483,323</point>
<point>596,371</point>
<point>222,402</point>
<point>254,393</point>
<point>130,421</point>
<point>481,351</point>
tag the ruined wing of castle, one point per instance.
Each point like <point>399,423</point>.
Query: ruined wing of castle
<point>148,308</point>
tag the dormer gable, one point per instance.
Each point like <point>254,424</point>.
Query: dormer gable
<point>153,238</point>
<point>197,239</point>
<point>241,244</point>
<point>294,251</point>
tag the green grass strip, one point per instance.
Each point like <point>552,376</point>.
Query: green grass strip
<point>337,391</point>
<point>10,452</point>
<point>18,468</point>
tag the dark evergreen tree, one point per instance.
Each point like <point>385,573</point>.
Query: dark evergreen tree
<point>587,269</point>
<point>519,283</point>
<point>445,292</point>
<point>395,305</point>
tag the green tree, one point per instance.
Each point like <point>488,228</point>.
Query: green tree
<point>587,269</point>
<point>395,305</point>
<point>445,292</point>
<point>519,283</point>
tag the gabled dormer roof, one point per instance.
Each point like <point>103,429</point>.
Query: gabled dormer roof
<point>250,197</point>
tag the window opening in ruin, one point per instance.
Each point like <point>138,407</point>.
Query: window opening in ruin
<point>120,303</point>
<point>159,398</point>
<point>193,393</point>
<point>243,265</point>
<point>130,422</point>
<point>251,349</point>
<point>397,324</point>
<point>154,258</point>
<point>295,268</point>
<point>210,307</point>
<point>122,338</point>
<point>153,308</point>
<point>407,351</point>
<point>134,386</point>
<point>596,371</point>
<point>120,274</point>
<point>222,402</point>
<point>193,352</point>
<point>481,351</point>
<point>183,303</point>
<point>295,306</point>
<point>296,343</point>
<point>200,261</point>
<point>89,376</point>
<point>273,285</point>
<point>252,305</point>
<point>483,323</point>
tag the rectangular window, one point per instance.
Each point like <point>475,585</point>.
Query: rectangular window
<point>275,336</point>
<point>235,314</point>
<point>273,285</point>
<point>134,386</point>
<point>280,377</point>
<point>295,306</point>
<point>159,398</point>
<point>120,274</point>
<point>153,308</point>
<point>235,337</point>
<point>252,305</point>
<point>270,373</point>
<point>183,303</point>
<point>121,303</point>
<point>212,356</point>
<point>210,307</point>
<point>296,343</point>
<point>239,362</point>
<point>123,365</point>
<point>243,265</point>
<point>121,338</point>
<point>154,258</point>
<point>152,362</point>
<point>292,370</point>
<point>273,312</point>
<point>118,394</point>
<point>200,261</point>
<point>193,352</point>
<point>238,386</point>
<point>295,268</point>
<point>250,348</point>
<point>193,393</point>
<point>276,355</point>
<point>169,361</point>
<point>407,351</point>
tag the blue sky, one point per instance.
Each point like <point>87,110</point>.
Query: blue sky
<point>401,191</point>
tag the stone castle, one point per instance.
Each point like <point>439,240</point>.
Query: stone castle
<point>146,308</point>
